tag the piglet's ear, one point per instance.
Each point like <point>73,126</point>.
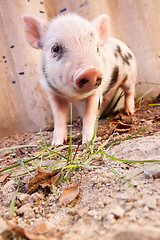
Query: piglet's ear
<point>102,26</point>
<point>34,30</point>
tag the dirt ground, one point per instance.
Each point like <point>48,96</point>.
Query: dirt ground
<point>104,209</point>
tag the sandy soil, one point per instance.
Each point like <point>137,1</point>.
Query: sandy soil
<point>105,208</point>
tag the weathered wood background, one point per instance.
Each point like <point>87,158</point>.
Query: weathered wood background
<point>23,105</point>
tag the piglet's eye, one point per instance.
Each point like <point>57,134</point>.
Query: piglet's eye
<point>56,48</point>
<point>97,50</point>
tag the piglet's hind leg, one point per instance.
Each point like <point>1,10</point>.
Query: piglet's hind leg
<point>129,93</point>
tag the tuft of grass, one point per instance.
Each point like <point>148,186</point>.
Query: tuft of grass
<point>112,104</point>
<point>73,161</point>
<point>16,147</point>
<point>141,98</point>
<point>115,99</point>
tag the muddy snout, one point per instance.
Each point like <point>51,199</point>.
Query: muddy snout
<point>88,79</point>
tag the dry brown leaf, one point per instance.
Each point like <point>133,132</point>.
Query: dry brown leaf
<point>42,231</point>
<point>43,178</point>
<point>4,177</point>
<point>69,194</point>
<point>123,127</point>
<point>156,119</point>
<point>38,231</point>
<point>15,228</point>
<point>55,178</point>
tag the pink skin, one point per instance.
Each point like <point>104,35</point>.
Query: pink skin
<point>89,117</point>
<point>59,110</point>
<point>84,69</point>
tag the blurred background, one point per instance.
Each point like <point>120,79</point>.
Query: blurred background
<point>23,104</point>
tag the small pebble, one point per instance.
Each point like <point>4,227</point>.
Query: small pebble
<point>118,212</point>
<point>10,186</point>
<point>146,209</point>
<point>23,209</point>
<point>111,219</point>
<point>93,213</point>
<point>72,212</point>
<point>22,196</point>
<point>83,211</point>
<point>152,171</point>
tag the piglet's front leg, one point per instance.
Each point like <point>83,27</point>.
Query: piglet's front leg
<point>89,117</point>
<point>59,108</point>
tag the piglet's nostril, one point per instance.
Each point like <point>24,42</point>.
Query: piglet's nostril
<point>82,82</point>
<point>98,81</point>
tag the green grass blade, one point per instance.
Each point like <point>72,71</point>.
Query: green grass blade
<point>140,99</point>
<point>16,147</point>
<point>53,188</point>
<point>128,175</point>
<point>128,161</point>
<point>151,83</point>
<point>70,166</point>
<point>14,199</point>
<point>154,104</point>
<point>94,132</point>
<point>23,165</point>
<point>134,173</point>
<point>115,104</point>
<point>50,149</point>
<point>70,138</point>
<point>119,175</point>
<point>43,138</point>
<point>57,153</point>
<point>109,105</point>
<point>17,164</point>
<point>103,144</point>
<point>132,136</point>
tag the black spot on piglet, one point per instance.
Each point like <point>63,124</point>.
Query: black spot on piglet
<point>125,57</point>
<point>114,78</point>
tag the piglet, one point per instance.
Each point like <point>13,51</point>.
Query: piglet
<point>81,62</point>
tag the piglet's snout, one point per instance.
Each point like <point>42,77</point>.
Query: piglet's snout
<point>88,78</point>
